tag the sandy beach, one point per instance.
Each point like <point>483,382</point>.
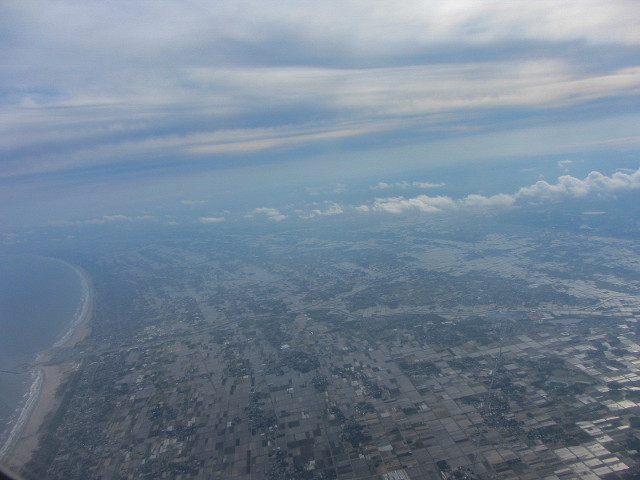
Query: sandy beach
<point>24,436</point>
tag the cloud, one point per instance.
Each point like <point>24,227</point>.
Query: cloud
<point>567,186</point>
<point>404,185</point>
<point>109,218</point>
<point>274,139</point>
<point>564,163</point>
<point>118,218</point>
<point>207,220</point>
<point>97,92</point>
<point>326,189</point>
<point>135,80</point>
<point>271,213</point>
<point>421,203</point>
<point>480,201</point>
<point>427,184</point>
<point>406,90</point>
<point>330,208</point>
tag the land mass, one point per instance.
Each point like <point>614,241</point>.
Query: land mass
<point>398,350</point>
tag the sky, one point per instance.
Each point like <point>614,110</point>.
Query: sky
<point>106,105</point>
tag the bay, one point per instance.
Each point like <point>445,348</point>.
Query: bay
<point>38,300</point>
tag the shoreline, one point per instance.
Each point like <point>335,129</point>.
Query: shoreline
<point>22,440</point>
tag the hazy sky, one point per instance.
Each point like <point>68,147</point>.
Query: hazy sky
<point>126,97</point>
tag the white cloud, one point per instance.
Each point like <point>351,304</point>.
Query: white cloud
<point>422,203</point>
<point>271,213</point>
<point>567,186</point>
<point>327,189</point>
<point>207,220</point>
<point>109,218</point>
<point>421,89</point>
<point>274,139</point>
<point>427,184</point>
<point>88,84</point>
<point>480,201</point>
<point>331,208</point>
<point>118,218</point>
<point>81,79</point>
<point>404,185</point>
<point>564,163</point>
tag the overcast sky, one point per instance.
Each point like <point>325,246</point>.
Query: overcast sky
<point>103,93</point>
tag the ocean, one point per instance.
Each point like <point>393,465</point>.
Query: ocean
<point>39,297</point>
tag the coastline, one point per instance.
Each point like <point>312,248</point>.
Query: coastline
<point>22,441</point>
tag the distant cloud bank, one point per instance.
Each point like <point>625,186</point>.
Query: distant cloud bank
<point>595,184</point>
<point>271,213</point>
<point>404,185</point>
<point>330,208</point>
<point>567,186</point>
<point>207,220</point>
<point>118,218</point>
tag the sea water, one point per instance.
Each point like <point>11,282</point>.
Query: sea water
<point>38,299</point>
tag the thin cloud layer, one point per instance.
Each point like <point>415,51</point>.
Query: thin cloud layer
<point>89,85</point>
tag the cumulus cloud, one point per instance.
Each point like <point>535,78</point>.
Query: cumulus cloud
<point>108,218</point>
<point>404,185</point>
<point>207,220</point>
<point>569,186</point>
<point>480,201</point>
<point>564,163</point>
<point>427,184</point>
<point>271,213</point>
<point>422,203</point>
<point>330,208</point>
<point>118,218</point>
<point>566,186</point>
